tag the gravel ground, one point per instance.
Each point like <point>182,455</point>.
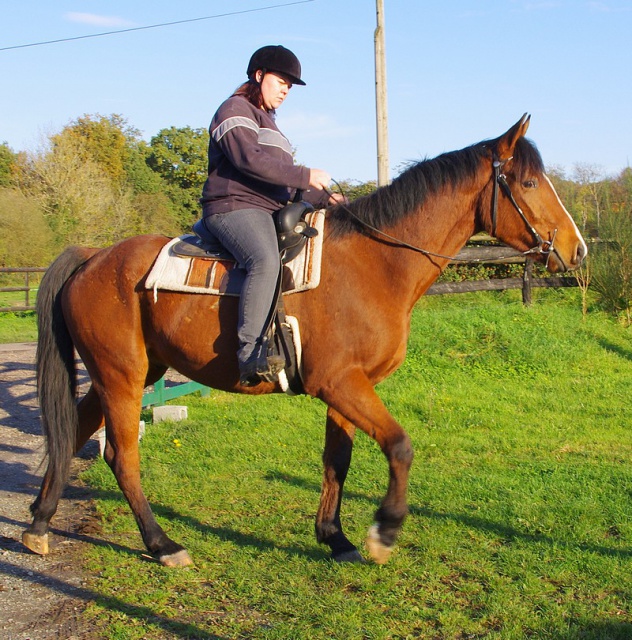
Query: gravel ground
<point>42,596</point>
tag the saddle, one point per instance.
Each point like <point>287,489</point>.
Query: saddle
<point>289,222</point>
<point>280,336</point>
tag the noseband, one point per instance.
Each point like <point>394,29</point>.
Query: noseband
<point>543,247</point>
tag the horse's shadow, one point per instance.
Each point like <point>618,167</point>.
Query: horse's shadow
<point>183,629</point>
<point>225,534</point>
<point>318,553</point>
<point>474,522</point>
<point>585,628</point>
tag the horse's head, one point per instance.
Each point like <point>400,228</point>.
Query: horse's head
<point>522,208</point>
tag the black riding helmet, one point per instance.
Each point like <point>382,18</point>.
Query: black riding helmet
<point>276,58</point>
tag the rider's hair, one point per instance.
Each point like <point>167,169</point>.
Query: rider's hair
<point>251,90</point>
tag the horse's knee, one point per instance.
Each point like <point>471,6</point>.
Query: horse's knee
<point>401,452</point>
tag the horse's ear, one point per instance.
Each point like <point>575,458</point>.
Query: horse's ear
<point>507,142</point>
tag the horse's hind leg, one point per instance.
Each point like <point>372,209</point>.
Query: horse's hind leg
<point>122,455</point>
<point>35,537</point>
<point>339,434</point>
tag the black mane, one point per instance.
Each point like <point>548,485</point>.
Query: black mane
<point>410,189</point>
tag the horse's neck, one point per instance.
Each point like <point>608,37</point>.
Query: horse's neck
<point>439,230</point>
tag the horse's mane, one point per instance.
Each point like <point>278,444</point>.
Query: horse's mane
<point>409,190</point>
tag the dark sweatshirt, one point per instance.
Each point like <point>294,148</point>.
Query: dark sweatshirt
<point>250,163</point>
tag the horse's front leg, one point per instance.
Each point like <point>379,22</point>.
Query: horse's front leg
<point>354,398</point>
<point>339,434</point>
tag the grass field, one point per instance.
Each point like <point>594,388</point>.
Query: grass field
<point>20,326</point>
<point>519,496</point>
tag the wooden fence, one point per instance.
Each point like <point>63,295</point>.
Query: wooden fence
<point>469,255</point>
<point>26,288</point>
<point>494,254</point>
<point>477,254</point>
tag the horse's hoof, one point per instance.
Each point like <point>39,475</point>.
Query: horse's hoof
<point>376,548</point>
<point>349,556</point>
<point>37,544</point>
<point>178,559</point>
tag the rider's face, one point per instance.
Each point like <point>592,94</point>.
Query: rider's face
<point>274,89</point>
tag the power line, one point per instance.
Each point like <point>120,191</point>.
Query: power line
<point>154,26</point>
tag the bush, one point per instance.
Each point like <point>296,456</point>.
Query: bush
<point>612,264</point>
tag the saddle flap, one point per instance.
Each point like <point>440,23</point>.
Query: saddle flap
<point>190,246</point>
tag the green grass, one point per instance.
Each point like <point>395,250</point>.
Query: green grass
<point>519,495</point>
<point>20,326</point>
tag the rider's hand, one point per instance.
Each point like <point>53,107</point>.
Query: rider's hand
<point>319,179</point>
<point>337,198</point>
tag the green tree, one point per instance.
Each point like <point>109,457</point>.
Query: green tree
<point>22,218</point>
<point>611,264</point>
<point>106,140</point>
<point>80,201</point>
<point>7,162</point>
<point>354,189</point>
<point>94,185</point>
<point>179,156</point>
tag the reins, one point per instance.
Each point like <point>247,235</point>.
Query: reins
<point>543,247</point>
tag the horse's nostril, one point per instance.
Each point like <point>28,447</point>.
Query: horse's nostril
<point>581,253</point>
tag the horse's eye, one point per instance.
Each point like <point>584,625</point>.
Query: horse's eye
<point>530,184</point>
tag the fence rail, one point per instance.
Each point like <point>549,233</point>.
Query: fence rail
<point>494,254</point>
<point>473,254</point>
<point>477,254</point>
<point>26,288</point>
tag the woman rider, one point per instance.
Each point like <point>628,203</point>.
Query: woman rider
<point>251,173</point>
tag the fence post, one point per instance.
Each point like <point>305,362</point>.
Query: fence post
<point>526,282</point>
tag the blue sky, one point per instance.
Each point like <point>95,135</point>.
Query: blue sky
<point>458,72</point>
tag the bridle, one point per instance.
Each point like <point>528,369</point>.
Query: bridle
<point>542,247</point>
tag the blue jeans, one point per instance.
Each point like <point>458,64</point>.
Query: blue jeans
<point>249,234</point>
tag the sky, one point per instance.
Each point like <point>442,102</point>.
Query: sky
<point>458,72</point>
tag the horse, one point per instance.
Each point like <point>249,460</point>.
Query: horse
<point>382,252</point>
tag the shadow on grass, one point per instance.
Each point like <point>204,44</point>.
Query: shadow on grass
<point>581,629</point>
<point>504,531</point>
<point>225,534</point>
<point>614,348</point>
<point>599,631</point>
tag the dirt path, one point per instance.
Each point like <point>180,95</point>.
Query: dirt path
<point>41,597</point>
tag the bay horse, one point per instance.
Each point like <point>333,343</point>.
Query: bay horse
<point>382,252</point>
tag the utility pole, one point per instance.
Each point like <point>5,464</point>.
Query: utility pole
<point>380,99</point>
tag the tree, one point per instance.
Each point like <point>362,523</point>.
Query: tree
<point>353,189</point>
<point>612,264</point>
<point>82,204</point>
<point>106,140</point>
<point>21,218</point>
<point>179,156</point>
<point>589,177</point>
<point>94,186</point>
<point>7,162</point>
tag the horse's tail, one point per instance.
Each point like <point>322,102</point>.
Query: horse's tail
<point>56,370</point>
